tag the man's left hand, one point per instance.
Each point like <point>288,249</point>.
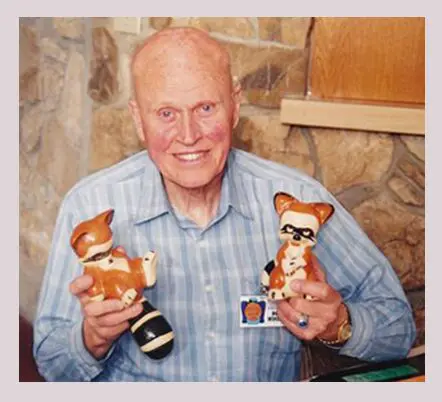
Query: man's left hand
<point>326,311</point>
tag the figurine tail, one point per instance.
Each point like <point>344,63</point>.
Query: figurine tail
<point>152,332</point>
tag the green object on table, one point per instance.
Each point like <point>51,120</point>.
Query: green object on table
<point>382,375</point>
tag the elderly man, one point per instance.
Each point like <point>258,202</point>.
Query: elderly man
<point>208,211</point>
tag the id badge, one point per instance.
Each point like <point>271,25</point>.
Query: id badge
<point>257,311</point>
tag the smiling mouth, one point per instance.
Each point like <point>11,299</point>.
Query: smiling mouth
<point>191,156</point>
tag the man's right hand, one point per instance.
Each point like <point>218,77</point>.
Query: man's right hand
<point>104,321</point>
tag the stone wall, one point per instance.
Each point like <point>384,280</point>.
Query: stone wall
<point>74,88</point>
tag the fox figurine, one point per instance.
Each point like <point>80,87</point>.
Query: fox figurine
<point>116,276</point>
<point>299,224</point>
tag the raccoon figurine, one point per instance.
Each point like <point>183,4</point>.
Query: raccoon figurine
<point>299,224</point>
<point>116,276</point>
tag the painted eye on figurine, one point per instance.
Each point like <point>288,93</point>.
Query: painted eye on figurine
<point>98,256</point>
<point>307,233</point>
<point>287,229</point>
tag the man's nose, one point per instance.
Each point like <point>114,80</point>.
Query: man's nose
<point>189,131</point>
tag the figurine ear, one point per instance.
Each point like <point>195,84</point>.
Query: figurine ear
<point>282,200</point>
<point>76,243</point>
<point>324,210</point>
<point>106,216</point>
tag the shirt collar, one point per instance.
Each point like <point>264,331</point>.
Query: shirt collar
<point>233,191</point>
<point>153,201</point>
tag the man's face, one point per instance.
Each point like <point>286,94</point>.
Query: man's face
<point>186,113</point>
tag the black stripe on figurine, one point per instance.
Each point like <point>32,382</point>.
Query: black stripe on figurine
<point>150,330</point>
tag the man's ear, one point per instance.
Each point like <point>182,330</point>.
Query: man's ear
<point>136,117</point>
<point>237,96</point>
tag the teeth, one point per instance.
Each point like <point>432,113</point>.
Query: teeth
<point>190,157</point>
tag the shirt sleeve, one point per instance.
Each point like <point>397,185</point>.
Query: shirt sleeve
<point>58,347</point>
<point>383,327</point>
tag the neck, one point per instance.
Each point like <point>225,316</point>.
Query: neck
<point>197,204</point>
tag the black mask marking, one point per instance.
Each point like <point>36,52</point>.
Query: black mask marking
<point>298,233</point>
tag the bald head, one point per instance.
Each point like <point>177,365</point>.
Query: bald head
<point>179,49</point>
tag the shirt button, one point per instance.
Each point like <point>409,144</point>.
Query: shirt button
<point>209,288</point>
<point>211,335</point>
<point>214,379</point>
<point>204,243</point>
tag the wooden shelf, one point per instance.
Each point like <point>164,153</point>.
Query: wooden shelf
<point>354,116</point>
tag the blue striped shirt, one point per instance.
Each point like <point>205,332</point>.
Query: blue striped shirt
<point>202,273</point>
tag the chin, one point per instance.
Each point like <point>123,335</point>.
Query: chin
<point>192,183</point>
<point>194,179</point>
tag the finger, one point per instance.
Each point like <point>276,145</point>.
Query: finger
<point>111,333</point>
<point>326,312</point>
<point>81,284</point>
<point>83,298</point>
<point>318,271</point>
<point>98,308</point>
<point>290,319</point>
<point>112,319</point>
<point>318,290</point>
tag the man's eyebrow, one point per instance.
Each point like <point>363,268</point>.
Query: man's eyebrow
<point>165,105</point>
<point>205,102</point>
<point>162,105</point>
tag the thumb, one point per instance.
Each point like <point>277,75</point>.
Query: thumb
<point>318,270</point>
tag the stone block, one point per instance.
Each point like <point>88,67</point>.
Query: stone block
<point>239,27</point>
<point>50,84</point>
<point>71,28</point>
<point>29,54</point>
<point>398,233</point>
<point>416,145</point>
<point>407,192</point>
<point>58,162</point>
<point>32,122</point>
<point>38,207</point>
<point>414,171</point>
<point>72,107</point>
<point>103,81</point>
<point>29,51</point>
<point>160,22</point>
<point>351,158</point>
<point>268,73</point>
<point>113,137</point>
<point>291,31</point>
<point>265,136</point>
<point>52,50</point>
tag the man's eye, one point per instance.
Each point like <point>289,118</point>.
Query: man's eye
<point>206,108</point>
<point>166,114</point>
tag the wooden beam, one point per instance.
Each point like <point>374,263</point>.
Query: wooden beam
<point>354,116</point>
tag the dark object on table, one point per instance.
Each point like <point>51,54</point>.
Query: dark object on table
<point>408,369</point>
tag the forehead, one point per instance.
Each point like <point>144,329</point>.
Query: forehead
<point>181,70</point>
<point>181,85</point>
